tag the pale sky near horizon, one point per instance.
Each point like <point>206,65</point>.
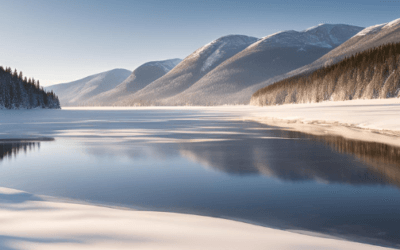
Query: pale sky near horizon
<point>62,41</point>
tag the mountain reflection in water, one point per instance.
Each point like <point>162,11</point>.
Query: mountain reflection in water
<point>253,156</point>
<point>261,174</point>
<point>381,158</point>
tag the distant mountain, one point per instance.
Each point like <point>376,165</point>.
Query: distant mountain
<point>367,38</point>
<point>370,37</point>
<point>140,78</point>
<point>231,82</point>
<point>226,71</point>
<point>191,69</point>
<point>77,93</point>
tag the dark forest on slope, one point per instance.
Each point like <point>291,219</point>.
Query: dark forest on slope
<point>370,74</point>
<point>17,91</point>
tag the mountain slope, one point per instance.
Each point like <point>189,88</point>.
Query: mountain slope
<point>367,38</point>
<point>140,78</point>
<point>78,92</point>
<point>192,68</point>
<point>370,74</point>
<point>270,56</point>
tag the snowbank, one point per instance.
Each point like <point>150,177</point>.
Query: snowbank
<point>32,222</point>
<point>369,120</point>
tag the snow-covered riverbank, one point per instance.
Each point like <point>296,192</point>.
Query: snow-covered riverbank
<point>375,120</point>
<point>368,120</point>
<point>353,119</point>
<point>34,222</point>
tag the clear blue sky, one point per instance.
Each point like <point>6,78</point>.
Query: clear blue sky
<point>61,41</point>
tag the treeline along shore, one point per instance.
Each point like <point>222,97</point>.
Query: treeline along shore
<point>17,91</point>
<point>371,74</point>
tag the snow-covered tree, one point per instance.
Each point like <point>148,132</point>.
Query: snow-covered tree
<point>18,92</point>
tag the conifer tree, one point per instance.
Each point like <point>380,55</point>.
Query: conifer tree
<point>16,91</point>
<point>368,74</point>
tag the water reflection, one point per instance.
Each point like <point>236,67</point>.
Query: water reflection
<point>381,158</point>
<point>243,170</point>
<point>371,152</point>
<point>9,149</point>
<point>329,159</point>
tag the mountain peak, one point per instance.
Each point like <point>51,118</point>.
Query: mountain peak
<point>370,30</point>
<point>224,42</point>
<point>325,27</point>
<point>235,38</point>
<point>393,23</point>
<point>376,28</point>
<point>317,26</point>
<point>322,35</point>
<point>166,65</point>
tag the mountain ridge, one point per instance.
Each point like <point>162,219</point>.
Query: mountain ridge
<point>192,68</point>
<point>266,58</point>
<point>140,78</point>
<point>76,93</point>
<point>228,70</point>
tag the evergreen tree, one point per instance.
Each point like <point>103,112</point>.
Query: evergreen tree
<point>16,91</point>
<point>368,74</point>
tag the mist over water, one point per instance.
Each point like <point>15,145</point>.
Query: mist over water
<point>206,164</point>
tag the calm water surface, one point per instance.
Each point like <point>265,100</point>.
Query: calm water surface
<point>204,163</point>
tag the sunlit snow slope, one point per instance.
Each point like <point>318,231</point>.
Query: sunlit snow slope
<point>191,69</point>
<point>365,39</point>
<point>77,93</point>
<point>270,56</point>
<point>140,78</point>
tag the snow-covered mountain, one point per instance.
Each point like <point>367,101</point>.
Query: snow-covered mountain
<point>225,71</point>
<point>78,92</point>
<point>232,81</point>
<point>140,78</point>
<point>322,35</point>
<point>191,69</point>
<point>367,38</point>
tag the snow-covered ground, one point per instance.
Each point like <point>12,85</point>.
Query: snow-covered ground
<point>382,114</point>
<point>33,222</point>
<point>370,120</point>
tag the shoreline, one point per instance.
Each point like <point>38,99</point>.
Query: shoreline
<point>323,128</point>
<point>41,222</point>
<point>341,238</point>
<point>374,120</point>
